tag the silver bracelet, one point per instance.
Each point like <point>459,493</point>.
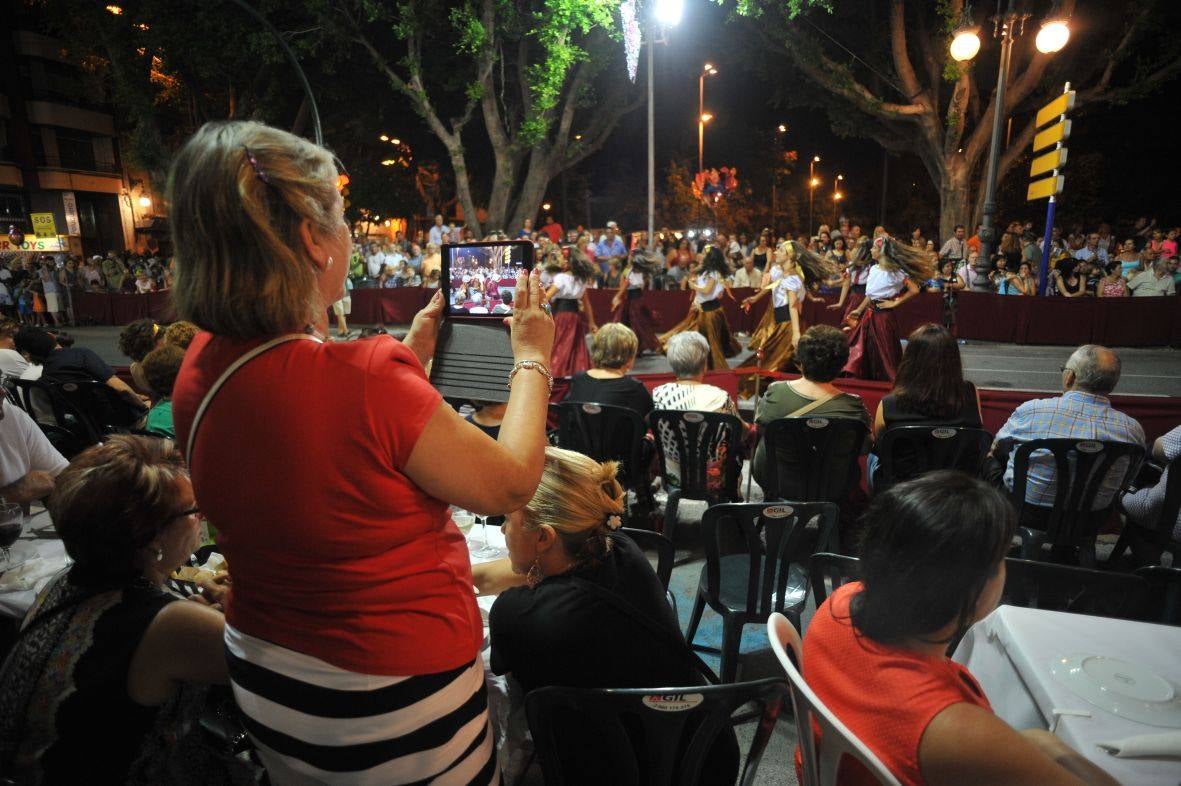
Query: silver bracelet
<point>531,364</point>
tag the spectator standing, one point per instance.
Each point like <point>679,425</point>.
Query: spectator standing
<point>610,247</point>
<point>435,235</point>
<point>1130,261</point>
<point>1026,279</point>
<point>748,275</point>
<point>1091,252</point>
<point>1157,281</point>
<point>113,272</point>
<point>552,229</point>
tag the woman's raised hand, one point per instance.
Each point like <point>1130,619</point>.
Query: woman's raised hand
<point>531,325</point>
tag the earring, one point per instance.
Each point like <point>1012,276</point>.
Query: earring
<point>534,576</point>
<point>329,263</point>
<point>159,555</point>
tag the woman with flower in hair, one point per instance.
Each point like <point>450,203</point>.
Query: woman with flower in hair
<point>583,607</point>
<point>875,347</point>
<point>799,267</point>
<point>853,281</point>
<point>706,316</point>
<point>573,314</point>
<point>628,305</point>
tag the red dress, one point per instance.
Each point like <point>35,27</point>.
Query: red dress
<point>569,355</point>
<point>875,345</point>
<point>634,312</point>
<point>885,695</point>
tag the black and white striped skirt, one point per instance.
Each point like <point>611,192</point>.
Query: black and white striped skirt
<point>315,723</point>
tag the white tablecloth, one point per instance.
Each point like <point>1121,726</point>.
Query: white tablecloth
<point>50,557</point>
<point>1010,652</point>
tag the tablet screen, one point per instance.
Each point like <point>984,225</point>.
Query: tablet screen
<point>482,277</point>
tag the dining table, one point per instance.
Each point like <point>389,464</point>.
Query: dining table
<point>1092,681</point>
<point>37,556</point>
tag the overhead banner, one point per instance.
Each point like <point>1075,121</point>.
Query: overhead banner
<point>71,210</point>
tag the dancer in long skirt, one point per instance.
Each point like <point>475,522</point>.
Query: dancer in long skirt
<point>875,346</point>
<point>573,315</point>
<point>706,316</point>
<point>799,268</point>
<point>629,305</point>
<point>853,281</point>
<point>766,324</point>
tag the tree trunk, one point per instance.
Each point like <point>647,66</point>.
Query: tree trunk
<point>463,188</point>
<point>953,197</point>
<point>532,191</point>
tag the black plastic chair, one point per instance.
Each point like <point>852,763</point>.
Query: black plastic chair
<point>1099,593</point>
<point>829,571</point>
<point>814,459</point>
<point>1164,594</point>
<point>46,405</point>
<point>648,540</point>
<point>907,452</point>
<point>644,734</point>
<point>608,433</point>
<point>1157,535</point>
<point>1080,467</point>
<point>756,556</point>
<point>700,458</point>
<point>108,411</point>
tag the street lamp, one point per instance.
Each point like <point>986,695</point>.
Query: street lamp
<point>703,117</point>
<point>666,13</point>
<point>780,131</point>
<point>1007,27</point>
<point>546,207</point>
<point>812,183</point>
<point>837,196</point>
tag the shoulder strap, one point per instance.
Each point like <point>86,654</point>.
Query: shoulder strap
<point>225,376</point>
<point>804,410</point>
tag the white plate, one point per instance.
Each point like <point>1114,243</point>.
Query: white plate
<point>21,553</point>
<point>1125,689</point>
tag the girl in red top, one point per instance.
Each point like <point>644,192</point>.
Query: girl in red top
<point>932,563</point>
<point>352,631</point>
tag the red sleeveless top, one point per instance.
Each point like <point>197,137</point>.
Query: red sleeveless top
<point>885,695</point>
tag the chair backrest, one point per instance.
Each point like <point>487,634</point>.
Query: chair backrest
<point>822,761</point>
<point>107,410</point>
<point>700,452</point>
<point>604,432</point>
<point>1080,468</point>
<point>46,405</point>
<point>812,458</point>
<point>1101,593</point>
<point>648,540</point>
<point>652,736</point>
<point>773,536</point>
<point>1164,594</point>
<point>827,571</point>
<point>910,451</point>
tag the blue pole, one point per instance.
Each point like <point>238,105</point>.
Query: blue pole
<point>1044,270</point>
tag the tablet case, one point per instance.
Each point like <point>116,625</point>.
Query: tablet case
<point>472,360</point>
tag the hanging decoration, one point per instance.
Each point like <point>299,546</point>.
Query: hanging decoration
<point>713,185</point>
<point>631,36</point>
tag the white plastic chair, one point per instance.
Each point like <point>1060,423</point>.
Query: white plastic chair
<point>820,761</point>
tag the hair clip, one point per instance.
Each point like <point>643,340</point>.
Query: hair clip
<point>254,163</point>
<point>614,522</point>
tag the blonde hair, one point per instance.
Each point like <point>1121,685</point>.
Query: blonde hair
<point>238,192</point>
<point>613,346</point>
<point>576,496</point>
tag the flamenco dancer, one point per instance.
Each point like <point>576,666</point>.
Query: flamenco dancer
<point>854,280</point>
<point>706,316</point>
<point>799,268</point>
<point>568,298</point>
<point>771,275</point>
<point>874,344</point>
<point>628,305</point>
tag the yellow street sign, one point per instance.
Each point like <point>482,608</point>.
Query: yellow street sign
<point>43,224</point>
<point>1059,132</point>
<point>1048,162</point>
<point>1046,187</point>
<point>1059,106</point>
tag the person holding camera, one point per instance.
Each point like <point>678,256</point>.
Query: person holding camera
<point>352,631</point>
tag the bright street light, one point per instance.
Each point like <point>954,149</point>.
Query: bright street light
<point>395,141</point>
<point>782,128</point>
<point>816,159</point>
<point>703,117</point>
<point>668,12</point>
<point>1053,36</point>
<point>706,117</point>
<point>577,137</point>
<point>145,202</point>
<point>384,138</point>
<point>815,182</point>
<point>840,177</point>
<point>547,206</point>
<point>965,44</point>
<point>115,10</point>
<point>836,195</point>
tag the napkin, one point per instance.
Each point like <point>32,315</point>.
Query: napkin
<point>1165,744</point>
<point>26,576</point>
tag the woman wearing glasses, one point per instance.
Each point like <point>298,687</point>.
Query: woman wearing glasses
<point>88,688</point>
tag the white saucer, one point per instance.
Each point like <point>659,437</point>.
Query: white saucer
<point>1125,689</point>
<point>21,553</point>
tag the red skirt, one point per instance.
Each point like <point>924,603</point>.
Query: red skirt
<point>634,313</point>
<point>569,355</point>
<point>855,299</point>
<point>875,348</point>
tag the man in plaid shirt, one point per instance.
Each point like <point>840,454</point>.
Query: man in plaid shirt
<point>1081,412</point>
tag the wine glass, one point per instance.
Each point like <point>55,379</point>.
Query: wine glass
<point>12,519</point>
<point>485,550</point>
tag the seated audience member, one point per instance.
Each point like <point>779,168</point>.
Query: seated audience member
<point>821,355</point>
<point>1157,281</point>
<point>932,564</point>
<point>1083,411</point>
<point>135,342</point>
<point>488,416</point>
<point>560,630</point>
<point>505,306</point>
<point>12,364</point>
<point>28,462</point>
<point>180,334</point>
<point>1143,507</point>
<point>930,390</point>
<point>106,648</point>
<point>613,353</point>
<point>73,364</point>
<point>688,354</point>
<point>161,367</point>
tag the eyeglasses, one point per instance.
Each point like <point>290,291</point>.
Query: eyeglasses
<point>185,513</point>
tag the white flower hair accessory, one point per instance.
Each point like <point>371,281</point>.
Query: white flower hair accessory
<point>614,522</point>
